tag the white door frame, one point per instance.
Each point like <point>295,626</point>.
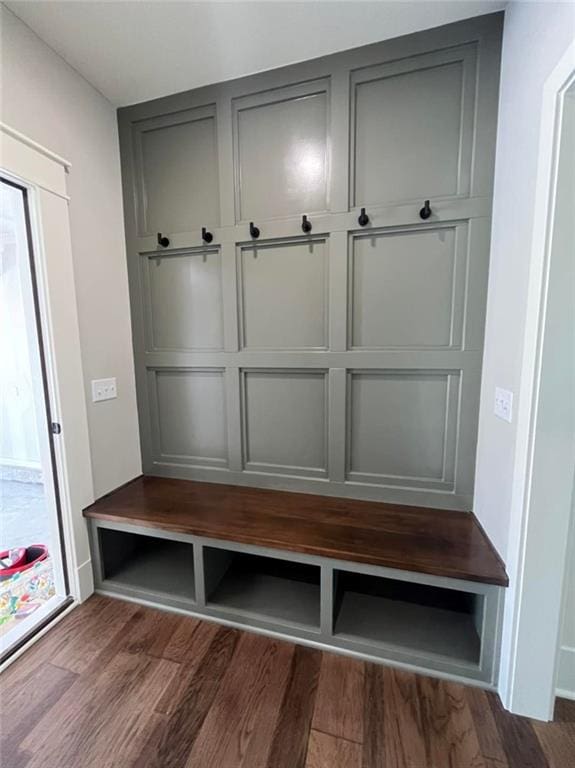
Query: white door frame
<point>43,174</point>
<point>538,537</point>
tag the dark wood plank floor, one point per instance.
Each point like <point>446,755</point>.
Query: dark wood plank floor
<point>434,541</point>
<point>115,685</point>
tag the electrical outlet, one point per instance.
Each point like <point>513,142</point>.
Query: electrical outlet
<point>503,404</point>
<point>103,389</point>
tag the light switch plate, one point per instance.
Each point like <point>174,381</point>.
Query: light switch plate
<point>103,389</point>
<point>503,404</point>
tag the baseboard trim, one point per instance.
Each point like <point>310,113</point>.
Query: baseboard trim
<point>562,694</point>
<point>84,578</point>
<point>566,673</point>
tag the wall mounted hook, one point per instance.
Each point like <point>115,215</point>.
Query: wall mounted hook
<point>254,231</point>
<point>207,237</point>
<point>162,240</point>
<point>425,212</point>
<point>363,218</point>
<point>305,224</point>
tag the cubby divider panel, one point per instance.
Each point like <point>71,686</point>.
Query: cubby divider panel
<point>265,588</point>
<point>147,564</point>
<point>415,618</point>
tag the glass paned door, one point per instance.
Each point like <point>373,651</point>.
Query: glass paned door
<point>32,570</point>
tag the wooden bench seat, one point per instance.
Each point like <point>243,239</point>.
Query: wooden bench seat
<point>404,585</point>
<point>430,541</point>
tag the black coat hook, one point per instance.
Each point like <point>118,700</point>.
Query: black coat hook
<point>254,231</point>
<point>425,212</point>
<point>363,218</point>
<point>207,237</point>
<point>163,241</point>
<point>305,224</point>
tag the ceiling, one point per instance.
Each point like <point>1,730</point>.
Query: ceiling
<point>139,50</point>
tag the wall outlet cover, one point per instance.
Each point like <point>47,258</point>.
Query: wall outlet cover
<point>503,404</point>
<point>103,389</point>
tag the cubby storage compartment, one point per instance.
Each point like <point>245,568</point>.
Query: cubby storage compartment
<point>136,563</point>
<point>415,618</point>
<point>260,565</point>
<point>263,588</point>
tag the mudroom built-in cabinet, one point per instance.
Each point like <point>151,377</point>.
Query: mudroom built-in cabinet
<point>308,255</point>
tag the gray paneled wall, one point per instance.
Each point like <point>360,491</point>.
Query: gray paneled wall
<point>345,360</point>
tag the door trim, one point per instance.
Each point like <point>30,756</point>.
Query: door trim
<point>48,409</point>
<point>524,688</point>
<point>43,176</point>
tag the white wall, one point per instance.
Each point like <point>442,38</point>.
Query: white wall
<point>564,244</point>
<point>566,670</point>
<point>536,37</point>
<point>48,101</point>
<point>566,665</point>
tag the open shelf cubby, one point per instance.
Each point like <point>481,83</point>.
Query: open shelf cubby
<point>323,572</point>
<point>263,588</point>
<point>148,564</point>
<point>410,616</point>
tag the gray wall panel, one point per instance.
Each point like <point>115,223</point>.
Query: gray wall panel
<point>285,421</point>
<point>179,153</point>
<point>283,291</point>
<point>183,299</point>
<point>406,288</point>
<point>282,151</point>
<point>412,128</point>
<point>401,427</point>
<point>190,415</point>
<point>345,360</point>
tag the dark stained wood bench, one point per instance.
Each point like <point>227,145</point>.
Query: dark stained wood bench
<point>437,542</point>
<point>422,588</point>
